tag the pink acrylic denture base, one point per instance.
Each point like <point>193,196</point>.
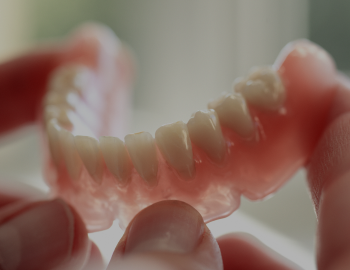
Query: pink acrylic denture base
<point>255,168</point>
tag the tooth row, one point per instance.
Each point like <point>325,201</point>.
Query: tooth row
<point>172,140</point>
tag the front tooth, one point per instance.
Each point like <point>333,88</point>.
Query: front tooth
<point>142,151</point>
<point>262,88</point>
<point>205,132</point>
<point>68,99</point>
<point>116,158</point>
<point>70,154</point>
<point>90,154</point>
<point>70,77</point>
<point>53,130</point>
<point>60,113</point>
<point>233,113</point>
<point>174,142</point>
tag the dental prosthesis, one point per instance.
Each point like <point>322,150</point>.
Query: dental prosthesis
<point>248,142</point>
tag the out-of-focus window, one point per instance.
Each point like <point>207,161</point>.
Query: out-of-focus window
<point>330,27</point>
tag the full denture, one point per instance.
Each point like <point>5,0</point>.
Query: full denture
<point>248,142</point>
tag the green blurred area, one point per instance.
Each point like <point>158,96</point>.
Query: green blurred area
<point>329,21</point>
<point>330,28</point>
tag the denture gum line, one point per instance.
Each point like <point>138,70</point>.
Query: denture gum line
<point>248,142</point>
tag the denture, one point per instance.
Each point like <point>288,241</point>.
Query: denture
<point>249,141</point>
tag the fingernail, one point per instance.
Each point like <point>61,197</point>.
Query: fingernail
<point>39,238</point>
<point>170,226</point>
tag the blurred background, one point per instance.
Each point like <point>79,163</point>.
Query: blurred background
<point>187,51</point>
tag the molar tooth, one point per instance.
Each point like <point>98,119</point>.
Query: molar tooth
<point>263,88</point>
<point>233,113</point>
<point>174,142</point>
<point>142,151</point>
<point>90,154</point>
<point>70,154</point>
<point>52,130</point>
<point>205,132</point>
<point>116,158</point>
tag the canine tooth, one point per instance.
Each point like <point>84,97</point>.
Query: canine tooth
<point>262,88</point>
<point>205,132</point>
<point>117,158</point>
<point>57,112</point>
<point>142,151</point>
<point>89,152</point>
<point>70,77</point>
<point>70,154</point>
<point>233,113</point>
<point>174,142</point>
<point>53,130</point>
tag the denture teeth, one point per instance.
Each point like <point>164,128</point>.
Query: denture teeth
<point>60,113</point>
<point>142,150</point>
<point>52,130</point>
<point>217,101</point>
<point>262,88</point>
<point>205,132</point>
<point>117,158</point>
<point>70,154</point>
<point>70,78</point>
<point>174,143</point>
<point>89,152</point>
<point>68,99</point>
<point>233,113</point>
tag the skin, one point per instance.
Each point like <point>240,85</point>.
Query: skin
<point>156,239</point>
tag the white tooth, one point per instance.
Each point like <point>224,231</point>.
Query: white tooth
<point>205,132</point>
<point>174,142</point>
<point>117,158</point>
<point>214,103</point>
<point>60,113</point>
<point>70,78</point>
<point>142,151</point>
<point>233,113</point>
<point>67,99</point>
<point>70,154</point>
<point>90,154</point>
<point>52,130</point>
<point>263,88</point>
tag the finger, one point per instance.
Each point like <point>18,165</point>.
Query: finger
<point>23,80</point>
<point>11,192</point>
<point>243,251</point>
<point>329,181</point>
<point>43,235</point>
<point>167,235</point>
<point>95,261</point>
<point>22,86</point>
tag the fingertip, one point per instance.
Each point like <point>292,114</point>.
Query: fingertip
<point>81,244</point>
<point>43,235</point>
<point>168,233</point>
<point>95,260</point>
<point>243,251</point>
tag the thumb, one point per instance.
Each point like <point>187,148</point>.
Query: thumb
<point>167,235</point>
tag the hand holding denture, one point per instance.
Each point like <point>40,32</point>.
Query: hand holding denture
<point>249,142</point>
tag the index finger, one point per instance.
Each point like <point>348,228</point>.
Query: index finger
<point>329,182</point>
<point>22,86</point>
